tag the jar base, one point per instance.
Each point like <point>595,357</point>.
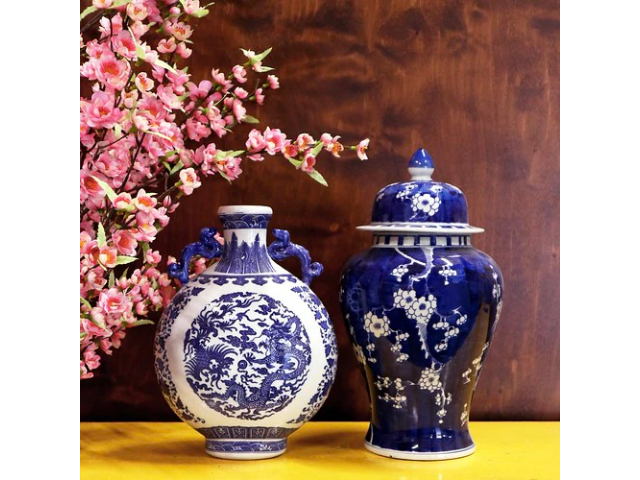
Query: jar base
<point>245,449</point>
<point>420,456</point>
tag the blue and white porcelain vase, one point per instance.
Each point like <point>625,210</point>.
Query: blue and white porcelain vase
<point>421,307</point>
<point>245,352</point>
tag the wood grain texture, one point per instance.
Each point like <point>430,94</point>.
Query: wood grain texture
<point>477,84</point>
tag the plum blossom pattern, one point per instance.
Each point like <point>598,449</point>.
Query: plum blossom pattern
<point>426,203</point>
<point>378,326</point>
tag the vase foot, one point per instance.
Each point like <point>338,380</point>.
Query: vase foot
<point>245,449</point>
<point>420,456</point>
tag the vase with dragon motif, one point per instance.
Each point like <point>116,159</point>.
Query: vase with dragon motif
<point>245,353</point>
<point>421,307</point>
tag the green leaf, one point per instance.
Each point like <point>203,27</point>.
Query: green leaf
<point>140,53</point>
<point>317,149</point>
<point>250,119</point>
<point>140,322</point>
<point>200,13</point>
<point>145,248</point>
<point>318,178</point>
<point>229,153</point>
<point>294,162</point>
<point>85,302</point>
<point>87,11</point>
<point>262,55</point>
<point>117,129</point>
<point>165,65</point>
<point>111,195</point>
<point>123,259</point>
<point>102,238</point>
<point>177,167</point>
<point>158,135</point>
<point>263,68</point>
<point>82,335</point>
<point>112,279</point>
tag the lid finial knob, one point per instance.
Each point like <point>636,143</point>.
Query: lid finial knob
<point>421,165</point>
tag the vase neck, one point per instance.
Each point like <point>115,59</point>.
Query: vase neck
<point>245,242</point>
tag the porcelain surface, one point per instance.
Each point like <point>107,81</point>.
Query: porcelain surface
<point>421,307</point>
<point>245,353</point>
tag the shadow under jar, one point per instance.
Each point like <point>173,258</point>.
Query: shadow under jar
<point>421,306</point>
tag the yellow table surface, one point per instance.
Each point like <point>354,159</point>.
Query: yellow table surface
<point>319,450</point>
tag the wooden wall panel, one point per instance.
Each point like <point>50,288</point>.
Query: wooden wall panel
<point>477,84</point>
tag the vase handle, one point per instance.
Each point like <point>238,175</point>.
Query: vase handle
<point>207,247</point>
<point>282,248</point>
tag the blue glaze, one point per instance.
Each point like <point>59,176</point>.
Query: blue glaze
<point>421,311</point>
<point>421,159</point>
<point>207,247</point>
<point>240,446</point>
<point>245,258</point>
<point>244,341</point>
<point>283,248</point>
<point>239,221</point>
<point>263,338</point>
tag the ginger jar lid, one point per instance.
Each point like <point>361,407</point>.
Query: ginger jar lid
<point>420,205</point>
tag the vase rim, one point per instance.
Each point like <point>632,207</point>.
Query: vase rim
<point>245,209</point>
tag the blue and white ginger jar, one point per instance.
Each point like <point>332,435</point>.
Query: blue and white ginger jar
<point>421,307</point>
<point>245,353</point>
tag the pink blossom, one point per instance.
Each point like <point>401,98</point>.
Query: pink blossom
<point>143,83</point>
<point>230,166</point>
<point>183,50</point>
<point>238,110</point>
<point>105,255</point>
<point>308,162</point>
<point>112,301</point>
<point>100,111</point>
<point>290,150</point>
<point>144,202</point>
<point>256,141</point>
<point>91,359</point>
<point>362,146</point>
<point>167,46</point>
<point>240,73</point>
<point>331,144</point>
<point>153,257</point>
<point>221,80</point>
<point>125,45</point>
<point>240,92</point>
<point>274,140</point>
<point>274,82</point>
<point>191,6</point>
<point>200,265</point>
<point>100,4</point>
<point>259,96</point>
<point>124,242</point>
<point>110,26</point>
<point>189,180</point>
<point>139,29</point>
<point>181,31</point>
<point>112,71</point>
<point>199,91</point>
<point>168,97</point>
<point>137,10</point>
<point>122,201</point>
<point>304,141</point>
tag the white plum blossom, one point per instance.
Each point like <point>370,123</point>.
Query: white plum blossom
<point>430,380</point>
<point>422,308</point>
<point>426,203</point>
<point>404,298</point>
<point>379,326</point>
<point>399,271</point>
